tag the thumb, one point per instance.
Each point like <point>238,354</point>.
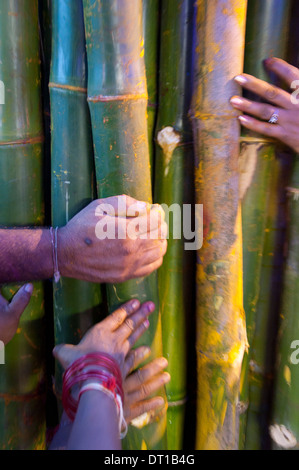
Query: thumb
<point>20,301</point>
<point>65,354</point>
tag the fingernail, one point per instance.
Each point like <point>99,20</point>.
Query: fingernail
<point>268,61</point>
<point>163,362</point>
<point>28,288</point>
<point>236,100</point>
<point>146,323</point>
<point>135,304</point>
<point>145,352</point>
<point>166,377</point>
<point>151,307</point>
<point>160,401</point>
<point>240,79</point>
<point>243,119</point>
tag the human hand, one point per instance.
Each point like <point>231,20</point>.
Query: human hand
<point>82,255</point>
<point>10,312</point>
<point>141,384</point>
<point>116,336</point>
<point>280,102</point>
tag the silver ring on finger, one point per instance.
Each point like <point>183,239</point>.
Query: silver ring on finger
<point>274,118</point>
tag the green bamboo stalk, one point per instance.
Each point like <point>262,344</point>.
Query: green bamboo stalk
<point>221,334</point>
<point>257,368</point>
<point>118,104</point>
<point>173,171</point>
<point>284,429</point>
<point>22,387</point>
<point>151,16</point>
<point>76,303</point>
<point>284,417</point>
<point>45,28</point>
<point>266,35</point>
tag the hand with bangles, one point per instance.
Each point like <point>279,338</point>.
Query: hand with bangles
<point>279,117</point>
<point>96,420</point>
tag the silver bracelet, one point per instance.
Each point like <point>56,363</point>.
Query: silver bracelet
<point>54,253</point>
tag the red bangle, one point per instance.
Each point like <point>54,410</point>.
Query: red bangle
<point>100,366</point>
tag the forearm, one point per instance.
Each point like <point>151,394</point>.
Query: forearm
<point>25,255</point>
<point>96,424</point>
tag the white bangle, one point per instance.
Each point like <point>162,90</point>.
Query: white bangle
<point>55,253</point>
<point>116,398</point>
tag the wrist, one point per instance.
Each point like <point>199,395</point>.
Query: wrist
<point>65,256</point>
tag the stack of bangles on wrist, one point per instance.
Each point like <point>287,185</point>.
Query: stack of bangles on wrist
<point>106,377</point>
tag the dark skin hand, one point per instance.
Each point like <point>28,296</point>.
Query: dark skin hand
<point>116,335</point>
<point>10,312</point>
<point>27,254</point>
<point>281,102</point>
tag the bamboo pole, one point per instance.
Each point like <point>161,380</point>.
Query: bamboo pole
<point>76,303</point>
<point>266,35</point>
<point>173,177</point>
<point>256,432</point>
<point>221,334</point>
<point>22,387</point>
<point>117,96</point>
<point>284,429</point>
<point>150,22</point>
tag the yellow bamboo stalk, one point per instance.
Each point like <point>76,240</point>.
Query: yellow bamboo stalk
<point>221,331</point>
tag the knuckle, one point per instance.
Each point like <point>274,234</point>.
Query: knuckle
<point>131,360</point>
<point>271,93</point>
<point>128,248</point>
<point>118,316</point>
<point>144,390</point>
<point>130,323</point>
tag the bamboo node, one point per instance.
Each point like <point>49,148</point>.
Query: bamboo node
<point>68,87</point>
<point>39,139</point>
<point>108,98</point>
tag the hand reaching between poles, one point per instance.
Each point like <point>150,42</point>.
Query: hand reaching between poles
<point>27,254</point>
<point>282,107</point>
<point>94,424</point>
<point>10,312</point>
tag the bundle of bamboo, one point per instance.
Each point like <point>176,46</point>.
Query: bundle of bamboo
<point>22,391</point>
<point>221,335</point>
<point>76,303</point>
<point>117,96</point>
<point>109,128</point>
